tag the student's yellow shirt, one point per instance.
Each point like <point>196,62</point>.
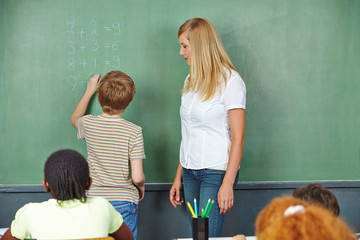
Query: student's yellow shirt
<point>71,219</point>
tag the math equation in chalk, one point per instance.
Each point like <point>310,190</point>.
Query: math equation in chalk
<point>90,47</point>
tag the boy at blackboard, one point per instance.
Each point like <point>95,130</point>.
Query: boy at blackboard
<point>114,145</point>
<point>69,214</point>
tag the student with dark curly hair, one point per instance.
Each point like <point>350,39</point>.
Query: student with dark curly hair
<point>69,214</point>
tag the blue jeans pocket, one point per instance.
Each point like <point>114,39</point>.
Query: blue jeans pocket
<point>128,211</point>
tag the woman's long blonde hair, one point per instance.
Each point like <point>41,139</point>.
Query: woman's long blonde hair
<point>208,58</point>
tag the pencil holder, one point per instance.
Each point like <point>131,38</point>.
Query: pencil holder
<point>200,228</point>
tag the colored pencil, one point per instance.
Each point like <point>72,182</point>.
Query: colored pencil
<point>191,210</point>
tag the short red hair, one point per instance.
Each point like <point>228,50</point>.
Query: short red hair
<point>115,92</point>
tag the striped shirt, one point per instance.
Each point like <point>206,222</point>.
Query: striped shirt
<point>112,142</point>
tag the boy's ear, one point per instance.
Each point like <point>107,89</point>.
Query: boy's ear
<point>46,185</point>
<point>89,184</point>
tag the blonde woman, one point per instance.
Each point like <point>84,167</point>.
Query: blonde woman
<point>212,123</point>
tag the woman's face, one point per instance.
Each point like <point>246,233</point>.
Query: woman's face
<point>185,49</point>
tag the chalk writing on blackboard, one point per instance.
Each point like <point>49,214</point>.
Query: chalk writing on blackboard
<point>91,48</point>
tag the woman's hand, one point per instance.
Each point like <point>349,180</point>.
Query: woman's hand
<point>175,197</point>
<point>225,197</point>
<point>174,193</point>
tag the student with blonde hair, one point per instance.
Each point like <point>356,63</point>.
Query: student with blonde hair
<point>212,123</point>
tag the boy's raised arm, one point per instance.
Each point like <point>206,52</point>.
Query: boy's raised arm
<point>84,102</point>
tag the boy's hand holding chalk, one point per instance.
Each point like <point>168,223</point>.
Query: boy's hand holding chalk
<point>93,84</point>
<point>80,110</point>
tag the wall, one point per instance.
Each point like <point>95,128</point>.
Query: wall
<point>158,219</point>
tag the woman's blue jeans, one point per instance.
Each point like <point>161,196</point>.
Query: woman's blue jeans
<point>203,185</point>
<point>129,212</point>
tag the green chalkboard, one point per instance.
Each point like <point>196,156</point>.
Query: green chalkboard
<point>299,59</point>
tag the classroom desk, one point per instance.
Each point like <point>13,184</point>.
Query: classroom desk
<point>3,230</point>
<point>220,238</point>
<point>357,235</point>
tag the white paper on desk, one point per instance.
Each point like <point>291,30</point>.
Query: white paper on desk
<point>250,237</point>
<point>3,230</point>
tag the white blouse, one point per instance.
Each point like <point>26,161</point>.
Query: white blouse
<point>205,126</point>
